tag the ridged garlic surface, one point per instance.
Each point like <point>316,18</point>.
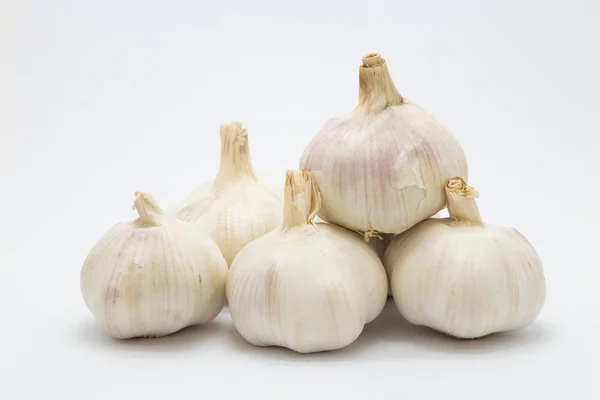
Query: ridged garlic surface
<point>464,277</point>
<point>305,286</point>
<point>153,276</point>
<point>238,206</point>
<point>382,168</point>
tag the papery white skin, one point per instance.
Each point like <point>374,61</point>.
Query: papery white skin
<point>382,167</point>
<point>463,277</point>
<point>305,286</point>
<point>238,206</point>
<point>153,276</point>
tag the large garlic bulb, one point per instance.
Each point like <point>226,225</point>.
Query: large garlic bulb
<point>305,286</point>
<point>153,276</point>
<point>462,276</point>
<point>238,206</point>
<point>382,168</point>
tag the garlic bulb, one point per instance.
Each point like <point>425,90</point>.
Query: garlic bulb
<point>153,276</point>
<point>305,286</point>
<point>238,206</point>
<point>464,277</point>
<point>382,168</point>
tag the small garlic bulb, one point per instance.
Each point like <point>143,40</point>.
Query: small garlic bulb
<point>382,168</point>
<point>238,206</point>
<point>463,277</point>
<point>305,286</point>
<point>153,276</point>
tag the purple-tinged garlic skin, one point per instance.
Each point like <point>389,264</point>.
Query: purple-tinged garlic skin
<point>382,168</point>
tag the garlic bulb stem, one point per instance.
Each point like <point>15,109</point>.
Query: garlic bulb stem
<point>302,199</point>
<point>148,210</point>
<point>376,87</point>
<point>462,204</point>
<point>235,155</point>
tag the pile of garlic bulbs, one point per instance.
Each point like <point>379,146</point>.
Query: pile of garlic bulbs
<point>375,178</point>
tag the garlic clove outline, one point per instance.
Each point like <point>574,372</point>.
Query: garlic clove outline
<point>382,168</point>
<point>238,206</point>
<point>463,277</point>
<point>153,276</point>
<point>305,286</point>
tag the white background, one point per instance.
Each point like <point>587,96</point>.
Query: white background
<point>100,99</point>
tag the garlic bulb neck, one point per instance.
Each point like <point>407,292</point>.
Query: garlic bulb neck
<point>376,87</point>
<point>235,155</point>
<point>148,210</point>
<point>302,199</point>
<point>462,205</point>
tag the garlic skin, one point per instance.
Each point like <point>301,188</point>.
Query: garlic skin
<point>382,168</point>
<point>463,277</point>
<point>238,206</point>
<point>380,245</point>
<point>153,276</point>
<point>305,286</point>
